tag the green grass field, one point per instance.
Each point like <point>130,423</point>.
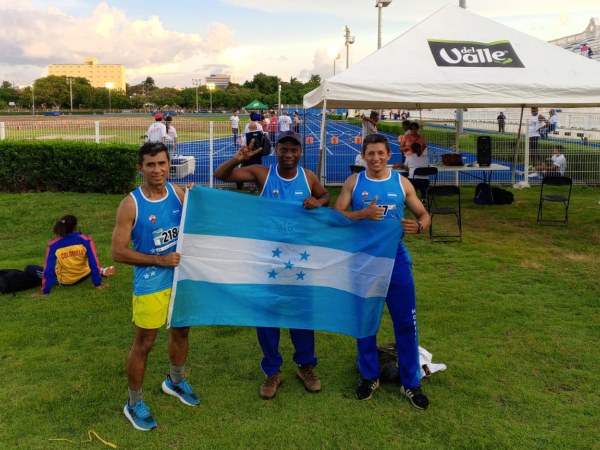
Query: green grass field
<point>513,312</point>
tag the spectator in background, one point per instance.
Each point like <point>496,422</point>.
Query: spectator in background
<point>157,132</point>
<point>415,160</point>
<point>359,161</point>
<point>171,141</point>
<point>369,124</point>
<point>285,122</point>
<point>501,121</point>
<point>553,119</point>
<point>273,127</point>
<point>536,123</point>
<point>584,49</point>
<point>235,126</point>
<point>411,138</point>
<point>556,165</point>
<point>265,122</point>
<point>406,126</point>
<point>590,52</point>
<point>297,122</point>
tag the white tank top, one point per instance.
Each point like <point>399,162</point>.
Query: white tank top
<point>534,126</point>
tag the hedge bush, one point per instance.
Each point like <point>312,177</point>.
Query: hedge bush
<point>58,165</point>
<point>334,116</point>
<point>41,113</point>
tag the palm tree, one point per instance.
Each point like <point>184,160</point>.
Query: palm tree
<point>293,80</point>
<point>315,78</point>
<point>149,83</point>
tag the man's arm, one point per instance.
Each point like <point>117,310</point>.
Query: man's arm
<point>320,196</point>
<point>372,212</point>
<point>416,207</point>
<point>228,172</point>
<point>122,235</point>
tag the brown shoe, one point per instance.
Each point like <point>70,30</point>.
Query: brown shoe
<point>307,376</point>
<point>270,386</point>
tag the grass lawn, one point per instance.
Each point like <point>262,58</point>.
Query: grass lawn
<point>513,312</point>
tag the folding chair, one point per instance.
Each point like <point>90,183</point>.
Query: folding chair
<point>356,169</point>
<point>445,207</point>
<point>555,197</point>
<point>423,184</point>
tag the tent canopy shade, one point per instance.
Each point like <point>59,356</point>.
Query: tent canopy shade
<point>255,105</point>
<point>456,58</point>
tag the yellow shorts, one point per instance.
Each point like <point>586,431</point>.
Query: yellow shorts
<point>150,310</point>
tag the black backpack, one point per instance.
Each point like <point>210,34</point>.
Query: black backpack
<point>266,145</point>
<point>502,196</point>
<point>483,194</point>
<point>13,280</point>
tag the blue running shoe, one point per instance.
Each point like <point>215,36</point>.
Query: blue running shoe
<point>183,391</point>
<point>139,416</point>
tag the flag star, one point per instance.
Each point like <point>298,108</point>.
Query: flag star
<point>300,276</point>
<point>272,274</point>
<point>146,276</point>
<point>152,273</point>
<point>276,253</point>
<point>289,265</point>
<point>304,256</point>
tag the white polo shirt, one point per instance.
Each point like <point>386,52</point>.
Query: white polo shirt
<point>156,132</point>
<point>284,123</point>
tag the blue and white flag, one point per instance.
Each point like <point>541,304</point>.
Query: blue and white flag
<point>253,261</point>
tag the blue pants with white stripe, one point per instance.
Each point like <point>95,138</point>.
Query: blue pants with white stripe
<point>401,302</point>
<point>304,344</point>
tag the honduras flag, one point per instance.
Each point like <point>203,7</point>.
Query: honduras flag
<point>254,261</point>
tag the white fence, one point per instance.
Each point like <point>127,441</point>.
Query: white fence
<point>342,144</point>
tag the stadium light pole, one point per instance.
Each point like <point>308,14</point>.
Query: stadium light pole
<point>349,40</point>
<point>380,5</point>
<point>210,87</point>
<point>109,85</point>
<point>333,54</point>
<point>279,99</point>
<point>196,82</point>
<point>70,81</point>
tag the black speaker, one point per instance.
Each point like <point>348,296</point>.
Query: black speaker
<point>484,151</point>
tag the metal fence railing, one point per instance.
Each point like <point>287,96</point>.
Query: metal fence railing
<point>206,141</point>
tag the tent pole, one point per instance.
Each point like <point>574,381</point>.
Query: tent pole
<point>517,149</point>
<point>322,145</point>
<point>304,138</point>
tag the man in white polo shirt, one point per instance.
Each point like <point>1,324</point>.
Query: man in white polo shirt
<point>557,165</point>
<point>157,132</point>
<point>235,126</point>
<point>285,122</point>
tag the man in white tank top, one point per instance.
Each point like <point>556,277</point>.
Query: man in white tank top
<point>536,123</point>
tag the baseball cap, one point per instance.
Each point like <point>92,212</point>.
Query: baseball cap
<point>158,116</point>
<point>289,134</point>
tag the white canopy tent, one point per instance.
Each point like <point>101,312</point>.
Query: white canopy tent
<point>456,58</point>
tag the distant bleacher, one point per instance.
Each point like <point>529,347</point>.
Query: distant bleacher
<point>589,37</point>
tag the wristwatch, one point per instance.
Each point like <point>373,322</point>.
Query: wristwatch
<point>420,230</point>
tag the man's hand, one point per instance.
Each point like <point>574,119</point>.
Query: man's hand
<point>373,212</point>
<point>246,152</point>
<point>170,260</point>
<point>311,203</point>
<point>410,226</point>
<point>37,294</point>
<point>190,185</point>
<point>102,286</point>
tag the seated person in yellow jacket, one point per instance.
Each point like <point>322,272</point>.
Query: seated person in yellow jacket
<point>70,258</point>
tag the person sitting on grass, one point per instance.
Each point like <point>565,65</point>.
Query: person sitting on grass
<point>70,259</point>
<point>556,165</point>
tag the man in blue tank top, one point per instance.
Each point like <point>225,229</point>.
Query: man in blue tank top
<point>150,217</point>
<point>380,194</point>
<point>288,182</point>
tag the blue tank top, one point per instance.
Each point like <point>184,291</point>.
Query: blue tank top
<point>292,190</point>
<point>389,192</point>
<point>155,232</point>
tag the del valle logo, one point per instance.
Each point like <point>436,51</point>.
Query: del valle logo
<point>474,54</point>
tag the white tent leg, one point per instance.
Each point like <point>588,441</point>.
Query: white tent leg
<point>321,172</point>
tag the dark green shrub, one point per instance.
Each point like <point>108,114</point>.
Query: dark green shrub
<point>334,116</point>
<point>58,165</point>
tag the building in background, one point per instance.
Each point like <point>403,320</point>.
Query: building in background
<point>590,37</point>
<point>97,74</point>
<point>220,81</point>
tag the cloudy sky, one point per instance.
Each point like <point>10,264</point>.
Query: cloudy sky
<point>175,41</point>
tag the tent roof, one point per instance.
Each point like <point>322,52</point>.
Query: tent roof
<point>255,105</point>
<point>405,74</point>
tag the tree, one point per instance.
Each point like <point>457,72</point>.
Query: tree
<point>315,78</point>
<point>52,90</point>
<point>6,85</point>
<point>149,84</point>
